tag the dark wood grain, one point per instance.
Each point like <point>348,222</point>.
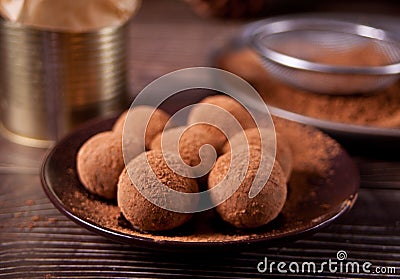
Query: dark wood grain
<point>36,241</point>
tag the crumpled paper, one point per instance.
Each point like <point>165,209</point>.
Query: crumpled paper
<point>69,15</point>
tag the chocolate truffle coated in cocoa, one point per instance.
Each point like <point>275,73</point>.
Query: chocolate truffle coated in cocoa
<point>137,120</point>
<point>188,141</point>
<point>213,114</point>
<point>240,210</point>
<point>283,151</point>
<point>168,139</point>
<point>99,164</point>
<point>148,171</point>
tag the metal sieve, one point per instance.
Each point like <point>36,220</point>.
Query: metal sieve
<point>326,55</point>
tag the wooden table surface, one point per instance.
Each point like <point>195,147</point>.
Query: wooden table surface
<point>36,241</point>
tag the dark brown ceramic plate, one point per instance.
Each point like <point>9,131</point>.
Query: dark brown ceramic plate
<point>323,186</point>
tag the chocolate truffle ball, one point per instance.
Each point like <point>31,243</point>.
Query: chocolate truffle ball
<point>224,121</point>
<point>99,164</point>
<point>170,138</point>
<point>283,151</point>
<point>137,121</point>
<point>239,210</point>
<point>188,141</point>
<point>140,212</point>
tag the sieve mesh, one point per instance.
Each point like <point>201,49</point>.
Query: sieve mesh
<point>328,56</point>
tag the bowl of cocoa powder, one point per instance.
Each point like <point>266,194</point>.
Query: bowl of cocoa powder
<point>358,120</point>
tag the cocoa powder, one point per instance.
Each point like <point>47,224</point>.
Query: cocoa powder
<point>380,109</point>
<point>364,55</point>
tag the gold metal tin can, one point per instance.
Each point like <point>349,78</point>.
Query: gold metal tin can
<point>50,81</point>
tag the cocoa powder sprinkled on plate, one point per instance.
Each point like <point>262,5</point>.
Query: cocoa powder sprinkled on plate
<point>313,153</point>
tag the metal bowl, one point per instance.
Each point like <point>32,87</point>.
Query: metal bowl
<point>326,55</point>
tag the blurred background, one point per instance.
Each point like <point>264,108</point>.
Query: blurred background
<point>259,8</point>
